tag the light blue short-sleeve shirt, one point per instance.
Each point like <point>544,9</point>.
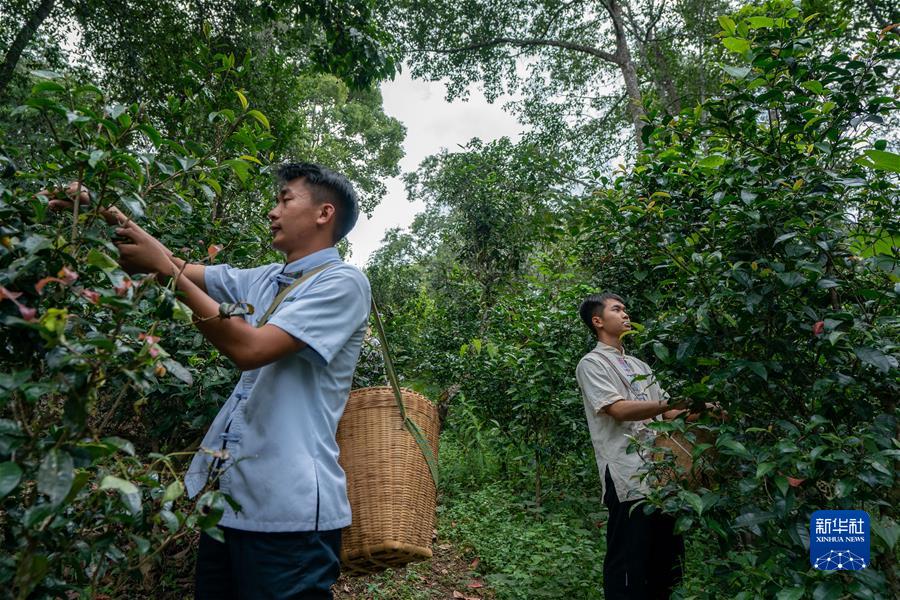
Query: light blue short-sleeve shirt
<point>279,424</point>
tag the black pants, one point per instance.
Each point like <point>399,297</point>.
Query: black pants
<point>251,565</point>
<point>643,555</point>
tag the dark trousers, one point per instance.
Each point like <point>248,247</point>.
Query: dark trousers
<point>251,565</point>
<point>643,555</point>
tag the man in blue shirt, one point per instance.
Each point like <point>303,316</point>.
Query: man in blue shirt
<point>272,446</point>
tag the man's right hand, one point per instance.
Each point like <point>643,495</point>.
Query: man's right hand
<point>75,192</point>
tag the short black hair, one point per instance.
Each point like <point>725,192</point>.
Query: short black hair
<point>593,305</point>
<point>326,186</point>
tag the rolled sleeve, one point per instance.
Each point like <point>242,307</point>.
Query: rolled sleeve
<point>596,384</point>
<point>225,283</point>
<point>327,313</point>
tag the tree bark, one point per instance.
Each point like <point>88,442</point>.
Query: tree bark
<point>21,41</point>
<point>667,85</point>
<point>629,72</point>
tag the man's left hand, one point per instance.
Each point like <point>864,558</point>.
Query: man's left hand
<point>140,252</point>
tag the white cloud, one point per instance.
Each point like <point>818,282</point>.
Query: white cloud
<point>432,123</point>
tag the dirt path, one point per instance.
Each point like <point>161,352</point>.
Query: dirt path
<point>448,575</point>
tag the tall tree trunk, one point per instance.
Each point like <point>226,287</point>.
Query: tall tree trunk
<point>629,72</point>
<point>22,40</point>
<point>667,85</point>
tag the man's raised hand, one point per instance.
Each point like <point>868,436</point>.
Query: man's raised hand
<point>140,252</point>
<point>66,198</point>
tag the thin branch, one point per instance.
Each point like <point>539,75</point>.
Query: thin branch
<point>528,43</point>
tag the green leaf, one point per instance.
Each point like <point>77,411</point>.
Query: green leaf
<point>790,594</point>
<point>259,117</point>
<point>881,160</point>
<point>98,259</point>
<point>243,99</point>
<point>240,168</point>
<point>111,482</point>
<point>712,162</point>
<point>736,72</point>
<point>10,476</point>
<point>760,22</point>
<point>181,312</point>
<point>661,351</point>
<point>174,491</point>
<point>875,358</point>
<point>759,369</point>
<point>47,86</point>
<point>176,369</point>
<point>782,484</point>
<point>813,86</point>
<point>693,500</point>
<point>727,24</point>
<point>737,45</point>
<point>55,475</point>
<point>753,518</point>
<point>733,446</point>
<point>791,279</point>
<point>764,468</point>
<point>120,443</point>
<point>683,524</point>
<point>828,590</point>
<point>887,529</point>
<point>152,134</point>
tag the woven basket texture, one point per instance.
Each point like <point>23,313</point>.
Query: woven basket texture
<point>392,494</point>
<point>681,449</point>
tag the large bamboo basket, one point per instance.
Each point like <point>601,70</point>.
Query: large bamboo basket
<point>392,494</point>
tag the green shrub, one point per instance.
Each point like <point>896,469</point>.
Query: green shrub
<point>92,356</point>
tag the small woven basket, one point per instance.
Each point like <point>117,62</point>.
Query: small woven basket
<point>692,474</point>
<point>392,493</point>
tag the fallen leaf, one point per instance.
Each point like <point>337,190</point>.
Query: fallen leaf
<point>475,584</point>
<point>818,328</point>
<point>794,482</point>
<point>475,563</point>
<point>213,250</point>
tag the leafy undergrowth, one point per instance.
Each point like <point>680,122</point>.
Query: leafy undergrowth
<point>556,552</point>
<point>448,574</point>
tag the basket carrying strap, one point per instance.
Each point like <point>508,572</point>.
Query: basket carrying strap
<point>408,423</point>
<point>281,295</point>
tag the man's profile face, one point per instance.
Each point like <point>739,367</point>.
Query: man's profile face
<point>296,216</point>
<point>614,320</point>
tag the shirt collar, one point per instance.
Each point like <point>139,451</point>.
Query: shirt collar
<point>311,261</point>
<point>606,348</point>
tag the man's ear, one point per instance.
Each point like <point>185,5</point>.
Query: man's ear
<point>326,213</point>
<point>597,321</point>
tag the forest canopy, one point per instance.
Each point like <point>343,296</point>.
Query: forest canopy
<point>731,171</point>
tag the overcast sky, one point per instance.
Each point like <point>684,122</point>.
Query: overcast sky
<point>431,123</point>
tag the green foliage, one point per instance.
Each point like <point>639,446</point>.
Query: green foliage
<point>755,240</point>
<point>553,553</point>
<point>761,224</point>
<point>102,385</point>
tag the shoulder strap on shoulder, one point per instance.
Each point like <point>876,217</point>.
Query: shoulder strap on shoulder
<point>283,293</point>
<point>616,370</point>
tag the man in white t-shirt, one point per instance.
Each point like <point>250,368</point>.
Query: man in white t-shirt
<point>621,395</point>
